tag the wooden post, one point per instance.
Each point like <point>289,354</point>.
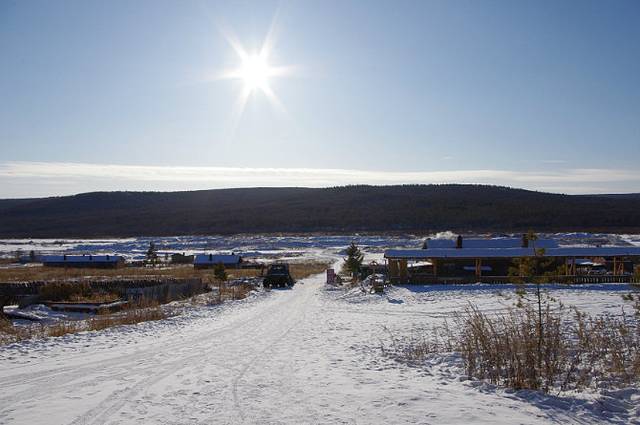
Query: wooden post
<point>403,271</point>
<point>615,266</point>
<point>618,267</point>
<point>520,268</point>
<point>478,267</point>
<point>434,261</point>
<point>393,270</point>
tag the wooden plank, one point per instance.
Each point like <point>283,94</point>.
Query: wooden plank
<point>404,274</point>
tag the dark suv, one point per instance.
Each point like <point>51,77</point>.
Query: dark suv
<point>278,276</point>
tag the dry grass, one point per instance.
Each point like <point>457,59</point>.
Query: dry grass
<point>508,349</point>
<point>303,270</point>
<point>418,346</point>
<point>75,292</point>
<point>128,317</point>
<point>235,292</point>
<point>63,327</point>
<point>10,333</point>
<point>59,291</point>
<point>588,352</point>
<point>516,350</point>
<point>141,311</point>
<point>53,274</point>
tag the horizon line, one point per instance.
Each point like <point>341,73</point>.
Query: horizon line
<point>25,180</point>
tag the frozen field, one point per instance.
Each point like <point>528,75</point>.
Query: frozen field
<point>297,356</point>
<point>261,247</point>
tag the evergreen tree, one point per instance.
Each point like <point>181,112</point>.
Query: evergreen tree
<point>353,262</point>
<point>533,269</point>
<point>219,272</point>
<point>152,254</point>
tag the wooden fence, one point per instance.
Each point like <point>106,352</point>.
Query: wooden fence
<point>161,289</point>
<point>420,279</point>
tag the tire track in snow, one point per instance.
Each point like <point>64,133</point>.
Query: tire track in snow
<point>40,384</point>
<point>157,372</point>
<point>261,353</point>
<point>67,376</point>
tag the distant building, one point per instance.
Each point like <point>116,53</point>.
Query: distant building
<point>491,260</point>
<point>182,258</point>
<point>83,261</point>
<point>207,261</point>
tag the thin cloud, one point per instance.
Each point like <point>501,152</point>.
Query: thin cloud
<point>87,177</point>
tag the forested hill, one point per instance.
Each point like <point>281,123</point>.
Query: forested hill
<point>411,208</point>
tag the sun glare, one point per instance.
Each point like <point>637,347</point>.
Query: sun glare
<point>255,72</point>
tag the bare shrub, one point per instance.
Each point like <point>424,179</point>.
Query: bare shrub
<point>63,327</point>
<point>9,333</point>
<point>60,274</point>
<point>586,352</point>
<point>51,274</point>
<point>62,291</point>
<point>508,349</point>
<point>142,302</point>
<point>127,317</point>
<point>606,351</point>
<point>235,292</point>
<point>417,347</point>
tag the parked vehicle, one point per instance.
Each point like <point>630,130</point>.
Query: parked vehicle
<point>278,276</point>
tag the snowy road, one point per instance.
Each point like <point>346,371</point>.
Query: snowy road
<point>291,356</point>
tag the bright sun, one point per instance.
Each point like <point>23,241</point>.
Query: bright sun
<point>255,72</point>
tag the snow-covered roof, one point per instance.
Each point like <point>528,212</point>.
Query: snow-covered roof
<point>80,258</point>
<point>489,243</point>
<point>217,259</point>
<point>586,262</point>
<point>582,252</point>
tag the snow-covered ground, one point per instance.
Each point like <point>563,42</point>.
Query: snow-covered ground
<point>305,355</point>
<point>263,247</point>
<point>255,247</point>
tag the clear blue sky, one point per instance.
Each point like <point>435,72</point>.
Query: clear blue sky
<point>536,94</point>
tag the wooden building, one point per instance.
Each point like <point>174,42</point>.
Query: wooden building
<point>209,261</point>
<point>490,260</point>
<point>83,261</point>
<point>183,258</point>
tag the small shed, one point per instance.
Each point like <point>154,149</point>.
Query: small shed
<point>208,261</point>
<point>182,258</point>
